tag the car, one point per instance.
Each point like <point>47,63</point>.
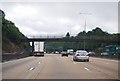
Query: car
<point>56,52</point>
<point>70,51</point>
<point>104,53</point>
<point>92,53</point>
<point>64,53</point>
<point>81,55</point>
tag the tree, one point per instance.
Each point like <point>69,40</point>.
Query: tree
<point>11,37</point>
<point>68,34</point>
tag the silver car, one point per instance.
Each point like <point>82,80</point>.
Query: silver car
<point>81,55</point>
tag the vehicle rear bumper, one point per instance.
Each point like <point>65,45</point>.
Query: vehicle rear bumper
<point>38,54</point>
<point>82,58</point>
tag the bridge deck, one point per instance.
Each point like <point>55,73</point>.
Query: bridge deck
<point>76,39</point>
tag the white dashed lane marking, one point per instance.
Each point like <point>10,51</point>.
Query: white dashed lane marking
<point>87,69</point>
<point>32,68</point>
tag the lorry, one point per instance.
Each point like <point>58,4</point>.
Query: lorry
<point>38,48</point>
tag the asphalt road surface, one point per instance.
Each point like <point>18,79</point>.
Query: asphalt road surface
<point>53,66</point>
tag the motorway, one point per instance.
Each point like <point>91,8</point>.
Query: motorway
<point>53,66</point>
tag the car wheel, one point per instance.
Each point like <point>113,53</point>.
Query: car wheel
<point>87,60</point>
<point>74,59</point>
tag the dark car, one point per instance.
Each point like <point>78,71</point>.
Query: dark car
<point>64,53</point>
<point>92,53</point>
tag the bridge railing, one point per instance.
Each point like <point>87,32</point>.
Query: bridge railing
<point>50,36</point>
<point>47,36</point>
<point>62,36</point>
<point>96,37</point>
<point>80,37</point>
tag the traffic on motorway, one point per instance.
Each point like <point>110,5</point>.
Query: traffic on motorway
<point>66,64</point>
<point>59,40</point>
<point>108,51</point>
<point>56,66</point>
<point>79,55</point>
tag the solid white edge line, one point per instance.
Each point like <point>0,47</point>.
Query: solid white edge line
<point>103,59</point>
<point>15,60</point>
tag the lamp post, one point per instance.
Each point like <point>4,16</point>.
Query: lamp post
<point>85,26</point>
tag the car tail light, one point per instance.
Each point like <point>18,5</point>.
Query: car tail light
<point>77,55</point>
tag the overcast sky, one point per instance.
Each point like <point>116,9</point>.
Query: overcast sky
<point>59,18</point>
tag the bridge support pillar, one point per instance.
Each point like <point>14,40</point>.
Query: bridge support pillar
<point>32,46</point>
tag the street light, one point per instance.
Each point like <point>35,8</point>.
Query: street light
<point>85,25</point>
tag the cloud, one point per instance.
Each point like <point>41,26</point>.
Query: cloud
<point>64,20</point>
<point>24,11</point>
<point>59,18</point>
